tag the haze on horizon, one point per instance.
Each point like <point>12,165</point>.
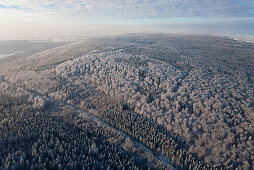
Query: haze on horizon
<point>75,19</point>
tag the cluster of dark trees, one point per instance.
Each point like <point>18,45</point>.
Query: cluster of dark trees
<point>155,137</point>
<point>58,139</point>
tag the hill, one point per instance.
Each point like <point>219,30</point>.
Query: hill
<point>173,100</point>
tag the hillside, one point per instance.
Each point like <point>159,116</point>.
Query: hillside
<point>133,101</point>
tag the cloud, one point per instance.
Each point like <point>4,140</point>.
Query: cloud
<point>56,18</point>
<point>132,9</point>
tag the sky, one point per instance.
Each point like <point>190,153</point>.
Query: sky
<point>77,19</point>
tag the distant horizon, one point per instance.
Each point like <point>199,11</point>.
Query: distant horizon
<point>238,37</point>
<point>25,19</point>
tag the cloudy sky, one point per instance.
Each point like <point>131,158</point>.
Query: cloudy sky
<point>47,19</point>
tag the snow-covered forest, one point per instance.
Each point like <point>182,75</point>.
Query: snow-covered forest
<point>188,99</point>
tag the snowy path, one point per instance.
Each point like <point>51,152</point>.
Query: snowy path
<point>85,114</point>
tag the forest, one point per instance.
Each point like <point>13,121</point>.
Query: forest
<point>136,101</point>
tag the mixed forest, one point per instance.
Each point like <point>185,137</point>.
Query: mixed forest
<point>137,101</point>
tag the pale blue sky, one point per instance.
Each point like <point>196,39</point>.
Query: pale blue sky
<point>78,18</point>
